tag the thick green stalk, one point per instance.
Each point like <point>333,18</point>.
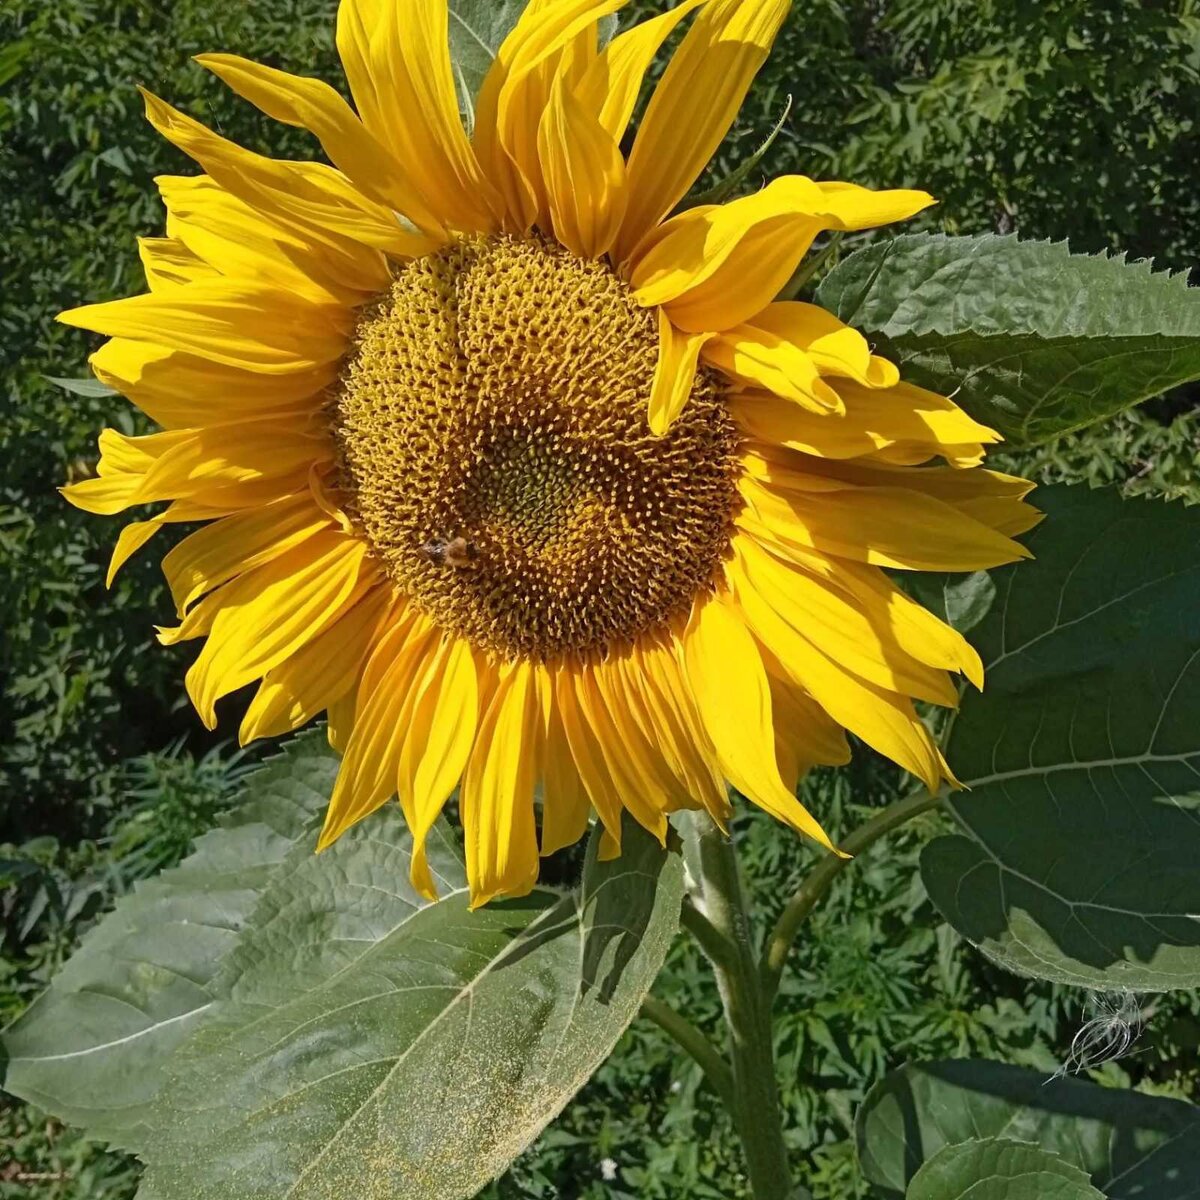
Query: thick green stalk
<point>755,1108</point>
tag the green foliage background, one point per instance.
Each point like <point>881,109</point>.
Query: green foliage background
<point>1057,119</point>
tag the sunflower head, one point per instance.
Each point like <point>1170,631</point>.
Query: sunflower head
<point>494,452</point>
<point>513,463</point>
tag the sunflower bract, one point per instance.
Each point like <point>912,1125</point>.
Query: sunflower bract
<point>532,487</point>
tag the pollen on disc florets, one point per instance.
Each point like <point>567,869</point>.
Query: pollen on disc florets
<point>494,449</point>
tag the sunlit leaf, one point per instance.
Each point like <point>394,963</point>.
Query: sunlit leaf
<point>999,1169</point>
<point>1028,337</point>
<point>371,1047</point>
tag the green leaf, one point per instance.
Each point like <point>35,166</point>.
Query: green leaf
<point>93,389</point>
<point>374,1048</point>
<point>1027,337</point>
<point>1081,822</point>
<point>12,58</point>
<point>92,1049</point>
<point>999,1169</point>
<point>1133,1147</point>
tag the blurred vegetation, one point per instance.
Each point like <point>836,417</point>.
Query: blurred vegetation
<point>1058,119</point>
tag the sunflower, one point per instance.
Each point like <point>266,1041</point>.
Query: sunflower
<point>511,462</point>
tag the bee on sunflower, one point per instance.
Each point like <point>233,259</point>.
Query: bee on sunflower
<point>516,469</point>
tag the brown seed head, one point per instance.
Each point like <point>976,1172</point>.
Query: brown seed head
<point>494,449</point>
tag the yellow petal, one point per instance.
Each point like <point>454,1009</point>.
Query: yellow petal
<point>497,791</point>
<point>883,719</point>
<point>397,59</point>
<point>238,324</point>
<point>946,483</point>
<point>717,266</point>
<point>383,75</point>
<point>312,104</point>
<point>634,784</point>
<point>587,752</point>
<point>440,728</point>
<point>648,789</point>
<point>755,358</point>
<point>693,107</point>
<point>920,422</point>
<point>990,497</point>
<point>199,620</point>
<point>887,527</point>
<point>565,804</point>
<point>183,391</point>
<point>671,722</point>
<point>236,241</point>
<point>774,421</point>
<point>674,373</point>
<point>121,472</point>
<point>342,206</point>
<point>402,626</point>
<point>610,85</point>
<point>357,22</point>
<point>267,615</point>
<point>317,675</point>
<point>215,498</point>
<point>168,262</point>
<point>105,497</point>
<point>805,734</point>
<point>915,630</point>
<point>1007,516</point>
<point>223,456</point>
<point>829,618</point>
<point>310,199</point>
<point>726,674</point>
<point>121,454</point>
<point>584,175</point>
<point>367,778</point>
<point>515,93</point>
<point>833,346</point>
<point>215,554</point>
<point>340,718</point>
<point>610,847</point>
<point>906,412</point>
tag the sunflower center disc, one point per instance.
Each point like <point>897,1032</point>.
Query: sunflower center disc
<point>494,448</point>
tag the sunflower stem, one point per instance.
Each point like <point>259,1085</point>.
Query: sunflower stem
<point>755,1098</point>
<point>819,880</point>
<point>711,940</point>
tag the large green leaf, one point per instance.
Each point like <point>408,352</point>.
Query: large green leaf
<point>92,1048</point>
<point>1133,1147</point>
<point>1030,339</point>
<point>999,1169</point>
<point>373,1048</point>
<point>1080,838</point>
